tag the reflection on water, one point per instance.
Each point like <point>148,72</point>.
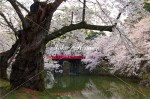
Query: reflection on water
<point>49,79</point>
<point>96,87</point>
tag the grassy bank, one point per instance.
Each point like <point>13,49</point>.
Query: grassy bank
<point>22,93</point>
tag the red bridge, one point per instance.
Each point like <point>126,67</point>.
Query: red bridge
<point>66,57</point>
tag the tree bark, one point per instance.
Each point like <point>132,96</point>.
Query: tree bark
<point>27,71</point>
<point>28,68</point>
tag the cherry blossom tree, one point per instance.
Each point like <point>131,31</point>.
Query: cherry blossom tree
<point>127,49</point>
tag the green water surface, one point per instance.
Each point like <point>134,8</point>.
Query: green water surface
<point>97,87</point>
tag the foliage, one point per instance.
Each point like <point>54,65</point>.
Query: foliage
<point>147,6</point>
<point>146,76</point>
<point>3,83</point>
<point>93,35</point>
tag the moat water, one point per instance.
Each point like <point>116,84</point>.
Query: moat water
<point>97,87</point>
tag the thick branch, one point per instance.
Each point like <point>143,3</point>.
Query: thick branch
<point>53,7</point>
<point>23,7</point>
<point>18,11</point>
<point>72,27</point>
<point>8,23</point>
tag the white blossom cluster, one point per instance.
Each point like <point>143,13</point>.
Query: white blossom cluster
<point>124,58</point>
<point>49,64</point>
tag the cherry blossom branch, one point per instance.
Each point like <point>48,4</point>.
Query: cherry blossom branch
<point>9,24</point>
<point>23,7</point>
<point>18,11</point>
<point>72,18</point>
<point>119,15</point>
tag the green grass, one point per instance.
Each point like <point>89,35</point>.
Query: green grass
<point>4,83</point>
<point>22,93</point>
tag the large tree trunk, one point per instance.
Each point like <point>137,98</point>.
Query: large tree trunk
<point>28,69</point>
